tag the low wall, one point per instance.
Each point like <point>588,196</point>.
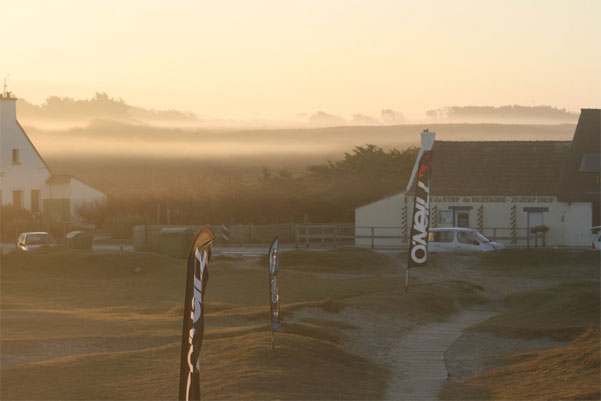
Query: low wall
<point>146,237</point>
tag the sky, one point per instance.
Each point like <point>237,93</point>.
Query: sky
<point>275,59</point>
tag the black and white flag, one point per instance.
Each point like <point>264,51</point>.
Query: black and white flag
<point>193,325</point>
<point>420,223</point>
<point>274,296</point>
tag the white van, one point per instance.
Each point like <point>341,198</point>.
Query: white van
<point>463,241</point>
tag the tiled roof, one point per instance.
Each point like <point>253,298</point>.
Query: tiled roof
<point>521,168</point>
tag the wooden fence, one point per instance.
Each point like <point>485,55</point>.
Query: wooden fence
<point>146,237</point>
<point>335,235</point>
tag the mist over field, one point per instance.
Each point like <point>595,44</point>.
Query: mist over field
<point>145,158</point>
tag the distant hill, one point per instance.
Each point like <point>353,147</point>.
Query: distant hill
<point>504,114</point>
<point>101,106</point>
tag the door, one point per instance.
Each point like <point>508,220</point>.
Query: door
<point>35,201</point>
<point>440,241</point>
<point>462,218</point>
<point>18,199</point>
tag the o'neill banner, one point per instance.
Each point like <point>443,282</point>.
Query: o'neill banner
<point>420,226</point>
<point>193,326</point>
<point>274,296</point>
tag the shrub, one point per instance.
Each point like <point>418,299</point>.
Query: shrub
<point>121,226</point>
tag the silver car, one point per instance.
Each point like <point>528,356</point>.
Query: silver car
<point>463,241</point>
<point>34,240</point>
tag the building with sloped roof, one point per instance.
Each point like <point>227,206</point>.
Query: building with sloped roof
<point>27,182</point>
<point>521,193</point>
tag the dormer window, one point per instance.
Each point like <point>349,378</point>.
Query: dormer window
<point>16,159</point>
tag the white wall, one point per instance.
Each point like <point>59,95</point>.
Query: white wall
<point>31,173</point>
<point>567,222</point>
<point>386,216</point>
<point>81,192</point>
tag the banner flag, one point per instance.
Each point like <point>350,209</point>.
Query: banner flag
<point>420,223</point>
<point>193,324</point>
<point>274,296</point>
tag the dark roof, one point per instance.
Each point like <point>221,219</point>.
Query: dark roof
<point>501,168</point>
<point>577,185</point>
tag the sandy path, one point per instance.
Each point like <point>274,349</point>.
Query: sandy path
<point>421,357</point>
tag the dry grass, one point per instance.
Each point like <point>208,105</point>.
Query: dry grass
<point>565,373</point>
<point>560,312</point>
<point>342,260</point>
<point>85,325</point>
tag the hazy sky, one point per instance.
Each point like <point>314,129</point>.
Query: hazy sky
<point>275,59</point>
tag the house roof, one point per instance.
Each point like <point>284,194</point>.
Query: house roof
<point>580,176</point>
<point>504,168</point>
<point>66,179</point>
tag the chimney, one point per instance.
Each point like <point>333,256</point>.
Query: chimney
<point>8,109</point>
<point>428,140</point>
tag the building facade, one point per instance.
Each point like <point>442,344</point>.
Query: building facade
<point>508,190</point>
<point>26,180</point>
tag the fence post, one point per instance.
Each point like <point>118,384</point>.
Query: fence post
<point>528,232</point>
<point>296,236</point>
<point>306,236</point>
<point>372,237</point>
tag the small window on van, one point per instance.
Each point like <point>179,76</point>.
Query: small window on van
<point>440,236</point>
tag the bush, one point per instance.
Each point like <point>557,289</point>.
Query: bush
<point>121,226</point>
<point>94,212</point>
<point>14,220</point>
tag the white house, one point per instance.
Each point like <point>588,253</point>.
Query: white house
<point>504,189</point>
<point>26,180</point>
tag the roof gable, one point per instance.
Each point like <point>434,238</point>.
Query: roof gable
<point>580,176</point>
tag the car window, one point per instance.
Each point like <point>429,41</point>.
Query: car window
<point>466,238</point>
<point>39,239</point>
<point>440,236</point>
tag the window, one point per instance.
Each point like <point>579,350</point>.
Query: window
<point>590,163</point>
<point>18,198</point>
<point>441,236</point>
<point>35,201</point>
<point>535,219</point>
<point>445,217</point>
<point>466,238</point>
<point>16,156</point>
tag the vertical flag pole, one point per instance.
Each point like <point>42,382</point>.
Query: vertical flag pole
<point>274,298</point>
<point>193,321</point>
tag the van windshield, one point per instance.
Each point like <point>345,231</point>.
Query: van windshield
<point>480,237</point>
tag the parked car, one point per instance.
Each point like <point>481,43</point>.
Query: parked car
<point>463,241</point>
<point>34,240</point>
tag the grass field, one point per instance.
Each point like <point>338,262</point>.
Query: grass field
<point>106,325</point>
<point>565,373</point>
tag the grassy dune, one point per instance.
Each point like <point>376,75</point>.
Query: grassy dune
<point>560,312</point>
<point>565,373</point>
<point>106,325</point>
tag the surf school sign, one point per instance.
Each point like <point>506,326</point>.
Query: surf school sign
<point>494,199</point>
